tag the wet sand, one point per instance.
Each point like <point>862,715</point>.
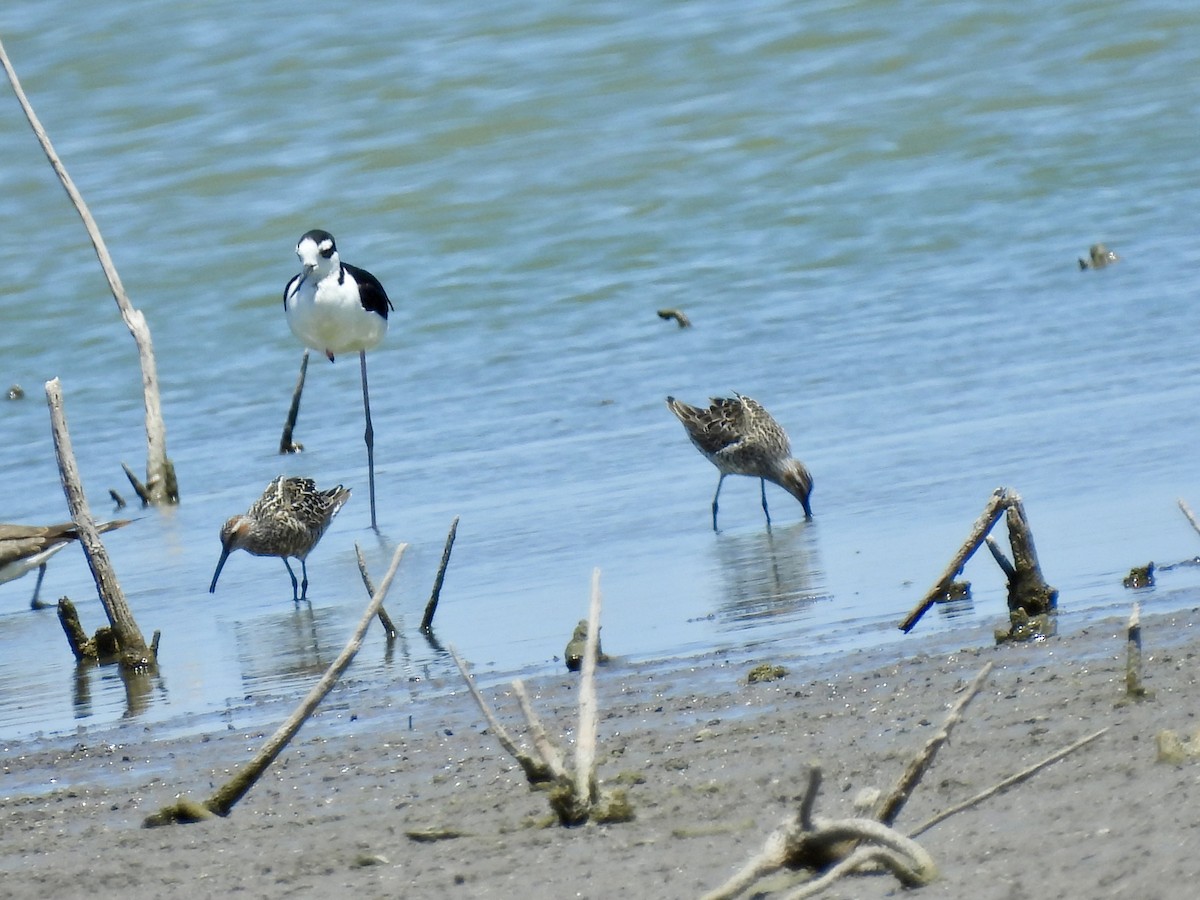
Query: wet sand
<point>717,764</point>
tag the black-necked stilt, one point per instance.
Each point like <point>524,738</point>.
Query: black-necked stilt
<point>24,548</point>
<point>739,437</point>
<point>287,520</point>
<point>335,307</point>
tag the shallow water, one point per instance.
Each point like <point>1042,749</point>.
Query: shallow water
<point>871,218</point>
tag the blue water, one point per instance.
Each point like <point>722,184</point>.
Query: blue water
<point>870,211</point>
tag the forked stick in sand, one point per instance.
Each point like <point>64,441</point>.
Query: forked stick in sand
<point>575,797</point>
<point>222,802</point>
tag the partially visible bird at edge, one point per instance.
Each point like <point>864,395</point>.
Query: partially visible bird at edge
<point>334,307</point>
<point>286,521</point>
<point>24,548</point>
<point>739,437</point>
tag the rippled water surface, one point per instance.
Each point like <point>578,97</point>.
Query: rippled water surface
<point>871,212</point>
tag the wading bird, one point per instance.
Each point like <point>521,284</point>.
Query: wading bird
<point>334,307</point>
<point>739,437</point>
<point>24,548</point>
<point>287,520</point>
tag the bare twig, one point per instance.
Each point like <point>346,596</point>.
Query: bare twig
<point>1187,511</point>
<point>585,744</point>
<point>1023,775</point>
<point>991,513</point>
<point>431,606</point>
<point>536,771</point>
<point>384,619</point>
<point>134,652</point>
<point>286,444</point>
<point>889,807</point>
<point>1134,688</point>
<point>1009,570</point>
<point>160,474</point>
<point>222,802</point>
<point>545,748</point>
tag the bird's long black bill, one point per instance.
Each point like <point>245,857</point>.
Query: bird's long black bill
<point>212,588</point>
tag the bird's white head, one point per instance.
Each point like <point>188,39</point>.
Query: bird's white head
<point>318,254</point>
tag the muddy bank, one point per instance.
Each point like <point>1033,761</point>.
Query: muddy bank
<point>712,764</point>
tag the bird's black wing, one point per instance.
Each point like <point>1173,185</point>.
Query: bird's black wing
<point>374,298</point>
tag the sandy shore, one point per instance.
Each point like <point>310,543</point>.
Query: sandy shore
<point>720,764</point>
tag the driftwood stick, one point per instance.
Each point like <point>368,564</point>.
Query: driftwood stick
<point>1028,589</point>
<point>160,474</point>
<point>134,652</point>
<point>891,805</point>
<point>431,606</point>
<point>676,314</point>
<point>138,487</point>
<point>1023,775</point>
<point>286,444</point>
<point>77,639</point>
<point>384,619</point>
<point>1009,570</point>
<point>1134,688</point>
<point>585,744</point>
<point>223,801</point>
<point>991,513</point>
<point>906,859</point>
<point>545,748</point>
<point>536,771</point>
<point>1187,511</point>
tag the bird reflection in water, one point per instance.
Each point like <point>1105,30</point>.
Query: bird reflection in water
<point>774,573</point>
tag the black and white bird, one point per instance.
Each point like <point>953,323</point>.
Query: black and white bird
<point>334,307</point>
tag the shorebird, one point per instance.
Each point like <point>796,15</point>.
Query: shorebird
<point>287,520</point>
<point>334,307</point>
<point>24,548</point>
<point>1099,256</point>
<point>739,437</point>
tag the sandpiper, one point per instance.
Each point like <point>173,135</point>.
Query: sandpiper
<point>739,437</point>
<point>334,307</point>
<point>24,548</point>
<point>287,520</point>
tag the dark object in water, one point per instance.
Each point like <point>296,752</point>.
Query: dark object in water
<point>16,392</point>
<point>1140,576</point>
<point>1100,256</point>
<point>677,315</point>
<point>577,645</point>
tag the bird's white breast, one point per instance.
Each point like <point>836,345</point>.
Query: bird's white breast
<point>329,317</point>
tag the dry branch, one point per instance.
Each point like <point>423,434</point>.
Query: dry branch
<point>1187,511</point>
<point>384,619</point>
<point>574,797</point>
<point>889,807</point>
<point>435,596</point>
<point>161,486</point>
<point>676,314</point>
<point>991,513</point>
<point>1134,688</point>
<point>286,444</point>
<point>134,652</point>
<point>1023,775</point>
<point>222,802</point>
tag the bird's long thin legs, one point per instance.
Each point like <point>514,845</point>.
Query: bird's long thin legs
<point>295,585</point>
<point>763,484</point>
<point>715,496</point>
<point>34,603</point>
<point>303,579</point>
<point>368,436</point>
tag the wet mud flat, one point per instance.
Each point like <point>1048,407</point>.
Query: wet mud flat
<point>370,802</point>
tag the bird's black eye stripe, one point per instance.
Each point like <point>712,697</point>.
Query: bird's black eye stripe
<point>326,249</point>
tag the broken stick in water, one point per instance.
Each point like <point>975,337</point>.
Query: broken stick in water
<point>431,606</point>
<point>384,619</point>
<point>991,513</point>
<point>134,653</point>
<point>160,472</point>
<point>286,444</point>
